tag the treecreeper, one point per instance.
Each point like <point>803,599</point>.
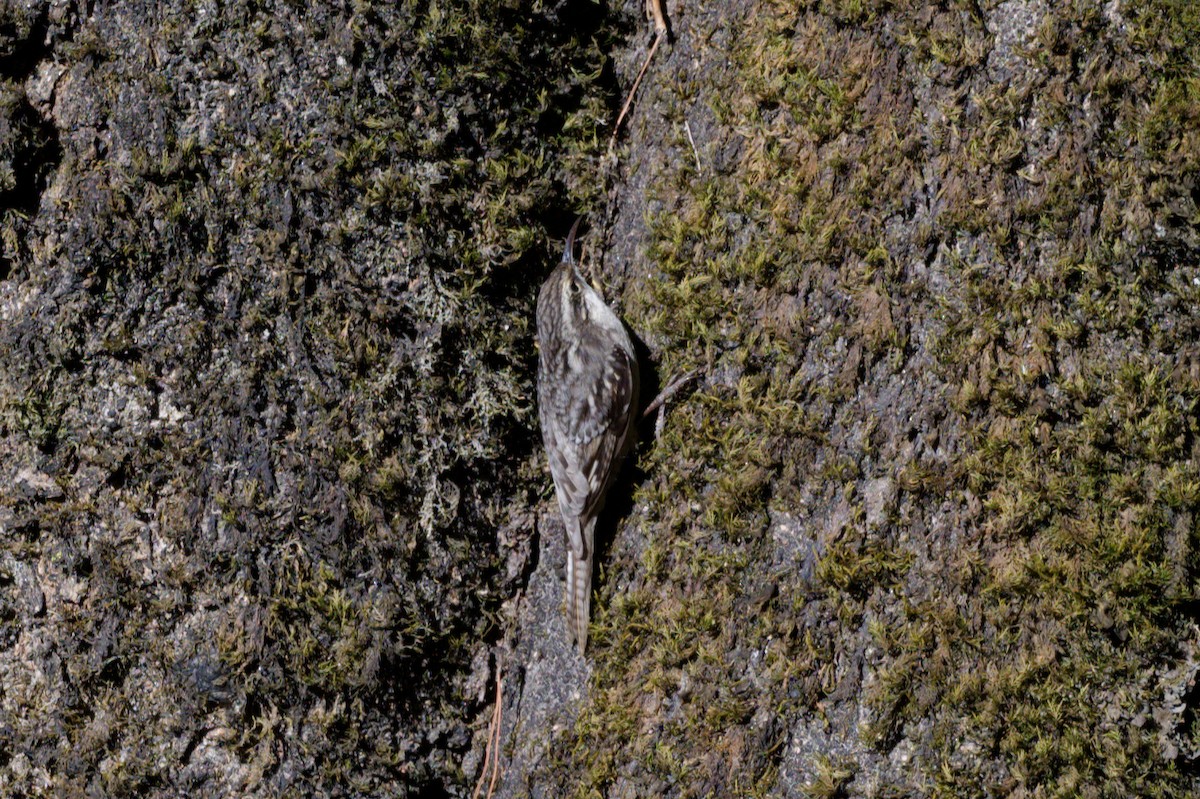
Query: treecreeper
<point>587,400</point>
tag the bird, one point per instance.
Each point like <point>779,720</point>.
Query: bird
<point>587,388</point>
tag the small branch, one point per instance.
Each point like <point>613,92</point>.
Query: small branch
<point>660,16</point>
<point>612,142</point>
<point>491,756</point>
<point>670,391</point>
<point>695,153</point>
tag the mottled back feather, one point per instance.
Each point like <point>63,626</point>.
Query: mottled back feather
<point>587,396</point>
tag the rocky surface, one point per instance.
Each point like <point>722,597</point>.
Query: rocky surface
<point>273,512</point>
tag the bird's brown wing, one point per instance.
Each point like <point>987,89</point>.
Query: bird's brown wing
<point>592,425</point>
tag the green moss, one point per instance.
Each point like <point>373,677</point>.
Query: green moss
<point>1046,354</point>
<point>831,781</point>
<point>278,325</point>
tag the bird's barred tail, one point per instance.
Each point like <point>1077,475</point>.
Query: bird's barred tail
<point>579,597</point>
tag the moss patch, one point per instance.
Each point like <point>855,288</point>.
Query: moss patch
<point>268,372</point>
<point>941,294</point>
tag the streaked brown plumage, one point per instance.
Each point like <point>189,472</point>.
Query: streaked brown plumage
<point>587,396</point>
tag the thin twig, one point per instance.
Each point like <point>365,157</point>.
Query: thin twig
<point>612,142</point>
<point>670,391</point>
<point>660,15</point>
<point>491,755</point>
<point>688,128</point>
<point>499,724</point>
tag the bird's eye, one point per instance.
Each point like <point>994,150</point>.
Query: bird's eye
<point>574,288</point>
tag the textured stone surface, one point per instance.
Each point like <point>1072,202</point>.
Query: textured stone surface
<point>273,512</point>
